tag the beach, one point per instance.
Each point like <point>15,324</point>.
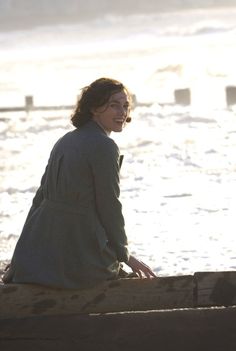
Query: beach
<point>179,171</point>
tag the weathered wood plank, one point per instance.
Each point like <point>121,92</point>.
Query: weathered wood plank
<point>202,289</point>
<point>21,300</point>
<point>215,288</point>
<point>207,329</point>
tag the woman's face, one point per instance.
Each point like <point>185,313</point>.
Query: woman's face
<point>112,116</point>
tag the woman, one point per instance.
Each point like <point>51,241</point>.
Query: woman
<point>74,234</point>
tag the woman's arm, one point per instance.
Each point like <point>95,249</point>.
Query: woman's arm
<point>105,168</point>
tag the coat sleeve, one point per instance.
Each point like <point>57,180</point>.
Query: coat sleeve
<point>105,168</point>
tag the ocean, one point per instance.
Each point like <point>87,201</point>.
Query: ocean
<point>179,171</point>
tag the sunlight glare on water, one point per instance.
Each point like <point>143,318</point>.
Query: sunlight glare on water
<point>179,170</point>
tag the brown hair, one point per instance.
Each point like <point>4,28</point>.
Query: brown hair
<point>93,96</point>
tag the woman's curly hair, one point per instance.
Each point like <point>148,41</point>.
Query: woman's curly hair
<point>93,96</point>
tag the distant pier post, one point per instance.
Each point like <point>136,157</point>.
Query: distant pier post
<point>182,96</point>
<point>230,95</point>
<point>29,103</point>
<point>134,100</point>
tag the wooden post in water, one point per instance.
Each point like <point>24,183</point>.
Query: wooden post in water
<point>29,103</point>
<point>182,96</point>
<point>230,95</point>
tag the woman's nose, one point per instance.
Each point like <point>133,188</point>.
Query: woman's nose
<point>122,110</point>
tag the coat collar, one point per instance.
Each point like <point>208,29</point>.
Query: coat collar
<point>95,126</point>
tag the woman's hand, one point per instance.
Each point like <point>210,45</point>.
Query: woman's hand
<point>140,268</point>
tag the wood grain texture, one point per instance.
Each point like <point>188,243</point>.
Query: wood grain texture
<point>215,288</point>
<point>21,300</point>
<point>203,289</point>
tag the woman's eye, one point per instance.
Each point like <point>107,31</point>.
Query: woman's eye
<point>117,106</point>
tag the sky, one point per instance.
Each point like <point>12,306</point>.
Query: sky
<point>18,14</point>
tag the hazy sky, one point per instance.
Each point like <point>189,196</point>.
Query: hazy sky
<point>16,14</point>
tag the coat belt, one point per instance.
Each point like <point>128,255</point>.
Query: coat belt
<point>63,207</point>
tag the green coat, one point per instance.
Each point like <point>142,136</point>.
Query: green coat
<point>74,234</point>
